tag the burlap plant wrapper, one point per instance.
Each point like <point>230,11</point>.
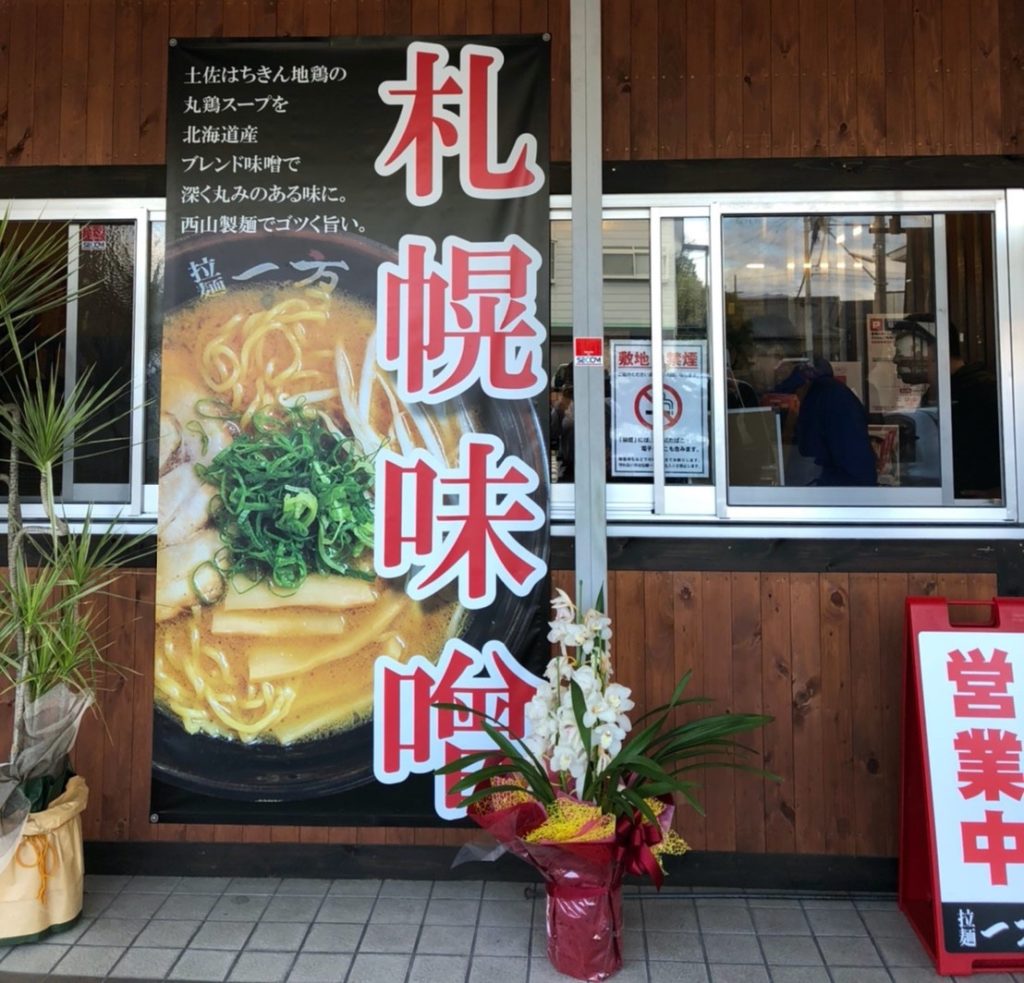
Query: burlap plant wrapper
<point>48,727</point>
<point>41,887</point>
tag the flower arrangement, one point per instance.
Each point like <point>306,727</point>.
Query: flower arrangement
<point>582,796</point>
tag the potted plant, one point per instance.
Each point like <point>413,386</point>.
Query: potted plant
<point>51,637</point>
<point>586,799</point>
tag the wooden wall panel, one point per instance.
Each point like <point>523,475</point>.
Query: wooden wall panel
<point>727,51</point>
<point>74,78</point>
<point>870,76</point>
<point>681,78</point>
<point>986,129</point>
<point>756,53</point>
<point>616,82</point>
<point>899,78</point>
<point>21,66</point>
<point>784,84</point>
<point>822,653</point>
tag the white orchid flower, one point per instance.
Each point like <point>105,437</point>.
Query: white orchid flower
<point>619,697</point>
<point>607,737</point>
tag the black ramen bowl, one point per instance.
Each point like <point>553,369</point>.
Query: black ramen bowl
<point>342,759</point>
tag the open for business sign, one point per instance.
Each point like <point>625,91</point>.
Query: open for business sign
<point>962,815</point>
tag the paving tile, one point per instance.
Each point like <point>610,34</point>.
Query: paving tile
<point>716,918</point>
<point>277,936</point>
<point>337,909</point>
<point>433,969</point>
<point>143,883</point>
<point>167,932</point>
<point>389,938</point>
<point>836,904</point>
<point>202,964</point>
<point>231,936</point>
<point>441,911</point>
<point>94,905</point>
<point>510,890</point>
<point>83,961</point>
<point>902,952</point>
<point>841,950</point>
<point>497,941</point>
<point>799,974</point>
<point>307,886</point>
<point>738,974</point>
<point>458,890</point>
<point>399,911</point>
<point>186,906</point>
<point>506,912</point>
<point>371,968</point>
<point>876,902</point>
<point>261,967</point>
<point>354,887</point>
<point>779,921</point>
<point>70,934</point>
<point>145,964</point>
<point>319,967</point>
<point>34,958</point>
<point>675,946</point>
<point>105,883</point>
<point>112,932</point>
<point>453,940</point>
<point>253,885</point>
<point>405,889</point>
<point>291,909</point>
<point>333,938</point>
<point>508,969</point>
<point>790,950</point>
<point>665,915</point>
<point>239,908</point>
<point>202,885</point>
<point>131,904</point>
<point>917,974</point>
<point>860,974</point>
<point>669,972</point>
<point>887,924</point>
<point>732,948</point>
<point>836,921</point>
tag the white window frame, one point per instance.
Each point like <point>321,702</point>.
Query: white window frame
<point>77,212</point>
<point>656,508</point>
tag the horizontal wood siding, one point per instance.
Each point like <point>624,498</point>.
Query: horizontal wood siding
<point>680,78</point>
<point>821,653</point>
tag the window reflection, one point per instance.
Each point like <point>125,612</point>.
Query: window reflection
<point>834,354</point>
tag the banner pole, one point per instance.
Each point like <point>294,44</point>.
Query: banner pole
<point>587,306</point>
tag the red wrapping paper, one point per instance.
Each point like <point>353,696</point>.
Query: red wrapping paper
<point>583,881</point>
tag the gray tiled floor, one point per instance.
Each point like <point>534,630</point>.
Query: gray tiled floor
<point>254,930</point>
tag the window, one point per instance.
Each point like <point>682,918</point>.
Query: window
<point>848,363</point>
<point>781,362</point>
<point>98,331</point>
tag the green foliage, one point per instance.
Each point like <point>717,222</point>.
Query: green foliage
<point>50,633</point>
<point>653,762</point>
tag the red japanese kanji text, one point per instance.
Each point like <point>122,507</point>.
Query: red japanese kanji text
<point>453,112</point>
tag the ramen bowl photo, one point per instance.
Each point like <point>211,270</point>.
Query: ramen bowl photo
<point>269,615</point>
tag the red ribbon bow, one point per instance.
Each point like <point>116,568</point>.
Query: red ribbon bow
<point>636,836</point>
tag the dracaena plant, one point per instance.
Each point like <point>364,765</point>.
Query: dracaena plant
<point>49,633</point>
<point>581,742</point>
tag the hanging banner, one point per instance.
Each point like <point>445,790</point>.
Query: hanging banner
<point>684,409</point>
<point>961,817</point>
<point>353,468</point>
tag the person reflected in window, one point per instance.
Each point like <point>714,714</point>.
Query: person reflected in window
<point>974,413</point>
<point>562,424</point>
<point>831,426</point>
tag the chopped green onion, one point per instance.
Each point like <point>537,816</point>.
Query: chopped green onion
<point>292,498</point>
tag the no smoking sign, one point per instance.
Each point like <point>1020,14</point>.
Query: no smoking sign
<point>671,402</point>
